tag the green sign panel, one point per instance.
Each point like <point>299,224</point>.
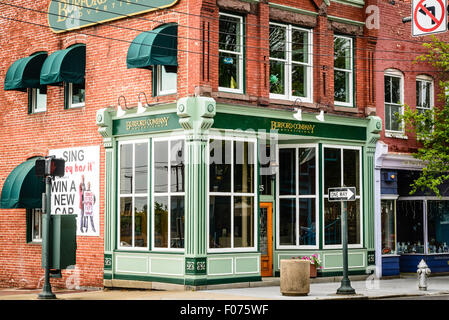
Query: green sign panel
<point>160,122</point>
<point>65,15</point>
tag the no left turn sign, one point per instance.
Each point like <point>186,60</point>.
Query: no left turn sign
<point>429,16</point>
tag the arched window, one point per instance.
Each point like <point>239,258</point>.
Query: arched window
<point>424,93</point>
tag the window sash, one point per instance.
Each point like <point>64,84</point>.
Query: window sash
<point>71,104</point>
<point>160,79</point>
<point>349,71</point>
<point>233,195</point>
<point>36,214</point>
<point>289,63</point>
<point>35,105</point>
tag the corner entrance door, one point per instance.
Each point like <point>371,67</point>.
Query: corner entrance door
<point>266,239</point>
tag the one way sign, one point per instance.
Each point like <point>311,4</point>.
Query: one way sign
<point>428,17</point>
<point>341,194</point>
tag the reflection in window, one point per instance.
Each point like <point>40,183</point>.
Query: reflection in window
<point>388,227</point>
<point>231,205</point>
<point>410,226</point>
<point>343,70</point>
<point>438,226</point>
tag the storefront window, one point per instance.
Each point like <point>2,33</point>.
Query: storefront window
<point>168,195</point>
<point>133,194</point>
<point>232,194</point>
<point>438,226</point>
<point>342,168</point>
<point>388,218</point>
<point>297,196</point>
<point>410,226</point>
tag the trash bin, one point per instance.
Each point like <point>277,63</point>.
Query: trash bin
<point>295,277</point>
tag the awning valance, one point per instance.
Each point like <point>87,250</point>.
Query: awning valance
<point>66,65</point>
<point>156,47</point>
<point>25,73</point>
<point>22,188</point>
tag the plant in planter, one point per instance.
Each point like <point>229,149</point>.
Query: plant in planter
<point>315,263</point>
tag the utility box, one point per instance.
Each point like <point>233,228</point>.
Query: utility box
<point>62,241</point>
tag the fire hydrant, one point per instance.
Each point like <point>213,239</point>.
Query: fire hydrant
<point>423,271</point>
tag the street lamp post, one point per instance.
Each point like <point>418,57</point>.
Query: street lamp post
<point>345,287</point>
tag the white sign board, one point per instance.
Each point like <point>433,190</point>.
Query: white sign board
<point>428,17</point>
<point>78,191</point>
<point>341,194</point>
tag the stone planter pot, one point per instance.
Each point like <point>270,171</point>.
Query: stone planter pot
<point>313,271</point>
<point>295,277</point>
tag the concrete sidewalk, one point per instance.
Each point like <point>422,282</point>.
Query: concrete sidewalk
<point>365,289</point>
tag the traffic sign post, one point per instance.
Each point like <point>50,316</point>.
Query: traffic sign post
<point>428,17</point>
<point>344,195</point>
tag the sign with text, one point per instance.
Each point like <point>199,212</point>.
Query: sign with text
<point>428,17</point>
<point>65,15</point>
<point>78,190</point>
<point>342,194</point>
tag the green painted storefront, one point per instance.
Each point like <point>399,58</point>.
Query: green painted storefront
<point>199,261</point>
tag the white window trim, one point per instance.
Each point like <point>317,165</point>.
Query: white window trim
<point>288,65</point>
<point>428,79</point>
<point>34,107</point>
<point>240,54</point>
<point>70,98</point>
<point>360,196</point>
<point>161,92</point>
<point>392,133</point>
<point>233,194</point>
<point>132,195</point>
<point>165,194</point>
<point>297,196</point>
<point>33,213</point>
<point>351,75</point>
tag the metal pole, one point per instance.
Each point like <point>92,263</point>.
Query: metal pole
<point>46,289</point>
<point>345,287</point>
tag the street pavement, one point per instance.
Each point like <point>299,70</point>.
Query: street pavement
<point>365,289</point>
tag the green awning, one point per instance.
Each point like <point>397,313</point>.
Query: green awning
<point>25,73</point>
<point>22,188</point>
<point>156,47</point>
<point>66,65</point>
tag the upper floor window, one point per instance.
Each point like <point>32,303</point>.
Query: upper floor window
<point>394,95</point>
<point>290,62</point>
<point>230,65</point>
<point>75,95</point>
<point>37,100</point>
<point>424,93</point>
<point>343,71</point>
<point>166,79</point>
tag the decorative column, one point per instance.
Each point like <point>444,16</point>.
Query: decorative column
<point>196,117</point>
<point>104,122</point>
<point>373,129</point>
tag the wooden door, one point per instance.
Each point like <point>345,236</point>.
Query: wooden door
<point>266,239</point>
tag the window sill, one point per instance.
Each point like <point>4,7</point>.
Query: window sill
<point>396,135</point>
<point>38,112</point>
<point>286,102</point>
<point>75,107</point>
<point>231,95</point>
<point>351,109</point>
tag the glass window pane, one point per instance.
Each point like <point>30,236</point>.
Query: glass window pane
<point>126,168</point>
<point>342,86</point>
<point>300,46</point>
<point>387,85</point>
<point>243,222</point>
<point>410,226</point>
<point>263,231</point>
<point>287,222</point>
<point>351,169</point>
<point>396,90</point>
<point>278,40</point>
<point>391,119</point>
<point>388,227</point>
<point>229,76</point>
<point>140,222</point>
<point>78,93</point>
<point>220,165</point>
<point>307,224</point>
<point>41,100</point>
<point>141,167</point>
<point>353,218</point>
<point>332,222</point>
<point>342,53</point>
<point>126,222</point>
<point>243,167</point>
<point>299,80</point>
<point>177,166</point>
<point>277,77</point>
<point>307,175</point>
<point>332,168</point>
<point>287,171</point>
<point>168,79</point>
<point>220,222</point>
<point>229,34</point>
<point>160,166</point>
<point>438,226</point>
<point>161,222</point>
<point>419,101</point>
<point>177,222</point>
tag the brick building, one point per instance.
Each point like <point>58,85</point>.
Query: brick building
<point>214,125</point>
<point>410,227</point>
